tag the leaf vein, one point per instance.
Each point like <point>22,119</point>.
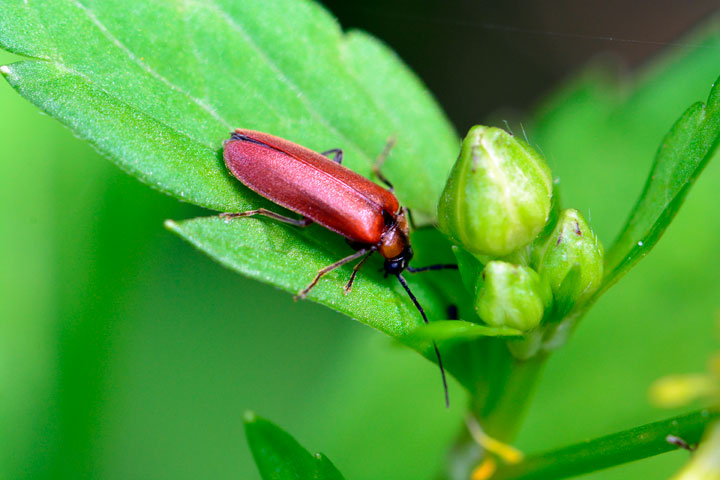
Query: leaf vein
<point>149,70</point>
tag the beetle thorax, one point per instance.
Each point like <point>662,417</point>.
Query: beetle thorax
<point>396,237</point>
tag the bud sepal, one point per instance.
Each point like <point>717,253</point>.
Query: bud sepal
<point>570,259</point>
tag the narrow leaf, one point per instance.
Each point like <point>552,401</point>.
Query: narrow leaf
<point>446,330</point>
<point>684,153</point>
<point>611,450</point>
<point>279,456</point>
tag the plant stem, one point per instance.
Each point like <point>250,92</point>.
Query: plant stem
<point>615,449</point>
<point>501,404</point>
<point>501,387</point>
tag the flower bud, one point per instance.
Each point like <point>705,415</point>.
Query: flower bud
<point>497,197</point>
<point>512,296</point>
<point>571,245</point>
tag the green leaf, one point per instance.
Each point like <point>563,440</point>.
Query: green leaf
<point>684,153</point>
<point>289,257</point>
<point>611,450</point>
<point>446,330</point>
<point>158,86</point>
<point>279,456</point>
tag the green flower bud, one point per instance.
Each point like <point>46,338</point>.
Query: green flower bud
<point>512,296</point>
<point>497,197</point>
<point>571,244</point>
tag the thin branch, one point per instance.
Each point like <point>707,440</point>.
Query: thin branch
<point>615,449</point>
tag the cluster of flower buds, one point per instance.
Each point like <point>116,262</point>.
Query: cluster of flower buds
<point>497,206</point>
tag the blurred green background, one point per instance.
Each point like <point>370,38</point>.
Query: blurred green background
<point>125,354</point>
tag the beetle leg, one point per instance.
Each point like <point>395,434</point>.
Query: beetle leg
<point>381,159</point>
<point>440,266</point>
<point>298,222</point>
<point>337,155</point>
<point>303,293</point>
<point>409,216</point>
<point>357,267</point>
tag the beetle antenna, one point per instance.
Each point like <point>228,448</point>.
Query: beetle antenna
<point>437,351</point>
<point>441,266</point>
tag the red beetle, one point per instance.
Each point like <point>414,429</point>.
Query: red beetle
<point>324,192</point>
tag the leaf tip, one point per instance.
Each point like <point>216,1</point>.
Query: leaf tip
<point>170,225</point>
<point>249,416</point>
<point>714,97</point>
<point>5,70</point>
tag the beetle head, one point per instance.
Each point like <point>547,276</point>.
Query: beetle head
<point>396,265</point>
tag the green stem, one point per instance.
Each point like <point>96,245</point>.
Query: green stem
<point>501,387</point>
<point>618,448</point>
<point>501,403</point>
